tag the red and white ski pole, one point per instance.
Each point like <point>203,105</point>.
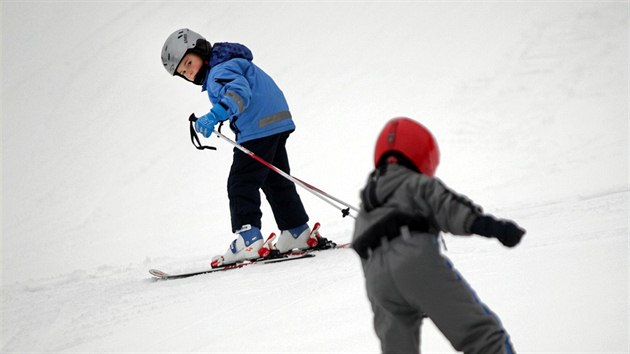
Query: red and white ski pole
<point>309,187</point>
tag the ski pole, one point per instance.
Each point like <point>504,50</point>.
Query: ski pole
<point>310,188</point>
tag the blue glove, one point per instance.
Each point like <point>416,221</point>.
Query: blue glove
<point>205,124</point>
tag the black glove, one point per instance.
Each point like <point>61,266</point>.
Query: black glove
<point>506,231</point>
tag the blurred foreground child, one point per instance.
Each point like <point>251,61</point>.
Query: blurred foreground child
<point>404,209</point>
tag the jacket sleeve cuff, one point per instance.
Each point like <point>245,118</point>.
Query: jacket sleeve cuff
<point>220,112</point>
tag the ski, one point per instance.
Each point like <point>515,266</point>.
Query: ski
<point>289,257</point>
<point>268,254</point>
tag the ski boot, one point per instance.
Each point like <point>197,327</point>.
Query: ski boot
<point>245,247</point>
<point>302,238</point>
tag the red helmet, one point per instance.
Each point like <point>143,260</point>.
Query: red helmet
<point>411,139</point>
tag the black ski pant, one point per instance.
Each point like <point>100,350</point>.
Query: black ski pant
<point>407,279</point>
<point>248,177</point>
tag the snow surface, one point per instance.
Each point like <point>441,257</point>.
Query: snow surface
<point>528,101</point>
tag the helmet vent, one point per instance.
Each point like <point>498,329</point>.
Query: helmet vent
<point>391,137</point>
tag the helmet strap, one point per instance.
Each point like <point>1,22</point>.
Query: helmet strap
<point>201,75</point>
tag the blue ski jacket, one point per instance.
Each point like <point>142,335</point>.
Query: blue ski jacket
<point>256,105</point>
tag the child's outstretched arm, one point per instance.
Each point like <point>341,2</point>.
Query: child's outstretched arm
<point>458,215</point>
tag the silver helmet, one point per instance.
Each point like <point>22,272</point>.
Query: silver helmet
<point>178,44</point>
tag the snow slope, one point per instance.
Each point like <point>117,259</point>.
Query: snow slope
<point>528,101</point>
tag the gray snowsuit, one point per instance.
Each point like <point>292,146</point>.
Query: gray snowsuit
<point>406,276</point>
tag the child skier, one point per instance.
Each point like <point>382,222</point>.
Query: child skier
<point>259,116</point>
<point>403,210</point>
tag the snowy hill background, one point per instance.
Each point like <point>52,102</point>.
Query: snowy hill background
<point>528,101</point>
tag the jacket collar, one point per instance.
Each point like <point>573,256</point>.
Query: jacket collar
<point>224,51</point>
